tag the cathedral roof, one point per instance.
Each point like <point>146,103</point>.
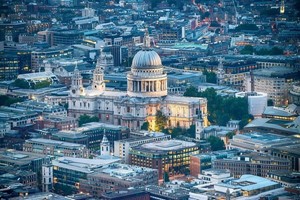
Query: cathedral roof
<point>146,58</point>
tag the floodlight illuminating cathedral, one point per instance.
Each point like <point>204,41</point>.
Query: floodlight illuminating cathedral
<point>146,94</point>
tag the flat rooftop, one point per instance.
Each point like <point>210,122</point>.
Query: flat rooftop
<point>53,142</point>
<point>18,157</point>
<point>248,182</point>
<point>262,138</point>
<point>82,164</point>
<point>168,145</point>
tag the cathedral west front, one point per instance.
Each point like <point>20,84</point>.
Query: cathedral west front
<point>146,94</point>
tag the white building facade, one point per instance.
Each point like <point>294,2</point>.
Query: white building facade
<point>146,94</point>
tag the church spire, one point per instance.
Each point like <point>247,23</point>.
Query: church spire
<point>76,82</point>
<point>105,145</point>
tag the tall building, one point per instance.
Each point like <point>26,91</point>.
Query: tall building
<point>117,176</point>
<point>10,31</point>
<point>122,147</point>
<point>171,156</point>
<point>146,94</point>
<point>55,148</point>
<point>253,163</point>
<point>105,146</point>
<point>274,81</point>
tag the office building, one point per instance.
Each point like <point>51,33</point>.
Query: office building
<point>259,142</point>
<point>204,161</point>
<point>274,81</point>
<point>288,151</point>
<point>94,132</point>
<point>117,176</point>
<point>252,163</point>
<point>122,147</point>
<point>61,123</point>
<point>171,156</point>
<point>70,172</point>
<point>10,31</point>
<point>37,56</point>
<point>55,148</point>
<point>294,94</point>
<point>247,185</point>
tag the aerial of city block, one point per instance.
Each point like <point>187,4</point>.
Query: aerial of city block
<point>150,99</point>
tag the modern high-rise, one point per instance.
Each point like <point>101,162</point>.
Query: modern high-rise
<point>170,156</point>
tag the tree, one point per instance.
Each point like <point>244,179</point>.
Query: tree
<point>160,121</point>
<point>270,102</point>
<point>176,132</point>
<point>230,135</point>
<point>83,119</point>
<point>216,143</point>
<point>7,101</point>
<point>42,84</point>
<point>145,126</point>
<point>211,77</point>
<point>248,49</point>
<point>21,83</point>
<point>222,109</point>
<point>64,189</point>
<point>251,27</point>
<point>191,92</point>
<point>166,177</point>
<point>191,132</point>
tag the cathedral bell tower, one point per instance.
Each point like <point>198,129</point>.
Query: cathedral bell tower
<point>105,145</point>
<point>98,77</point>
<point>77,88</point>
<point>106,60</point>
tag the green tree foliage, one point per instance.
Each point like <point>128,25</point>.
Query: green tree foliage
<point>178,3</point>
<point>230,135</point>
<point>191,132</point>
<point>270,102</point>
<point>83,119</point>
<point>160,121</point>
<point>7,100</point>
<point>21,83</point>
<point>273,51</point>
<point>166,177</point>
<point>270,12</point>
<point>248,49</point>
<point>222,109</point>
<point>211,77</point>
<point>42,84</point>
<point>250,27</point>
<point>176,131</point>
<point>216,143</point>
<point>145,126</point>
<point>64,189</point>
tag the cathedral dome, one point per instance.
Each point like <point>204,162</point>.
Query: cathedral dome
<point>146,58</point>
<point>147,77</point>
